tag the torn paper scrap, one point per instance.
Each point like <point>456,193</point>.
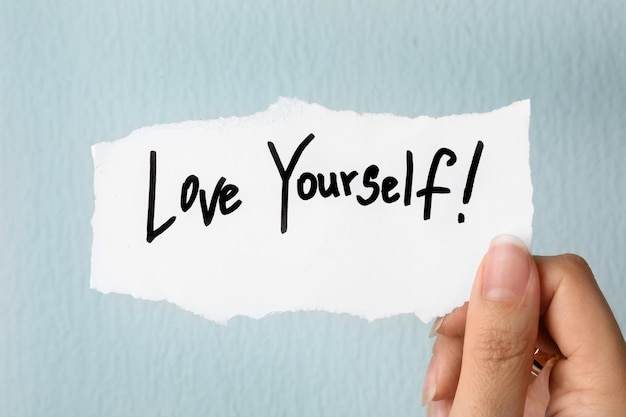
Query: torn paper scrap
<point>304,208</point>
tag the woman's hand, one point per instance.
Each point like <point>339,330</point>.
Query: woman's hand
<point>483,354</point>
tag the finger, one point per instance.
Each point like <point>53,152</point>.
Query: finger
<point>452,324</point>
<point>545,342</point>
<point>538,395</point>
<point>576,313</point>
<point>501,330</point>
<point>448,347</point>
<point>581,323</point>
<point>443,371</point>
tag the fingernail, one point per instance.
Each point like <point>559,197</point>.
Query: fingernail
<point>507,269</point>
<point>435,327</point>
<point>430,383</point>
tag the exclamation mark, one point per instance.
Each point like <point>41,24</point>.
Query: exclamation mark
<point>471,175</point>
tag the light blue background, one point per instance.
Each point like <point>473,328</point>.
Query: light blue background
<point>74,73</point>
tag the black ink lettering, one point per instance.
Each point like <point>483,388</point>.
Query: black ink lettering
<point>371,172</point>
<point>209,212</point>
<point>228,192</point>
<point>307,176</point>
<point>408,184</point>
<point>346,179</point>
<point>285,174</point>
<point>151,232</point>
<point>389,183</point>
<point>469,185</point>
<point>430,189</point>
<point>332,187</point>
<point>186,203</point>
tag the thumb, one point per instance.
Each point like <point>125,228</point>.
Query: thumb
<point>500,333</point>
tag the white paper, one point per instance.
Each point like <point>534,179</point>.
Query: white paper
<point>332,253</point>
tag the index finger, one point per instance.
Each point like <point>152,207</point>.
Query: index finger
<point>575,312</point>
<point>582,324</point>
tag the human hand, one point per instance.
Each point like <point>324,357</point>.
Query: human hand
<point>483,353</point>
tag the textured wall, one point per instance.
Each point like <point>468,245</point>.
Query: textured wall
<point>74,73</point>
